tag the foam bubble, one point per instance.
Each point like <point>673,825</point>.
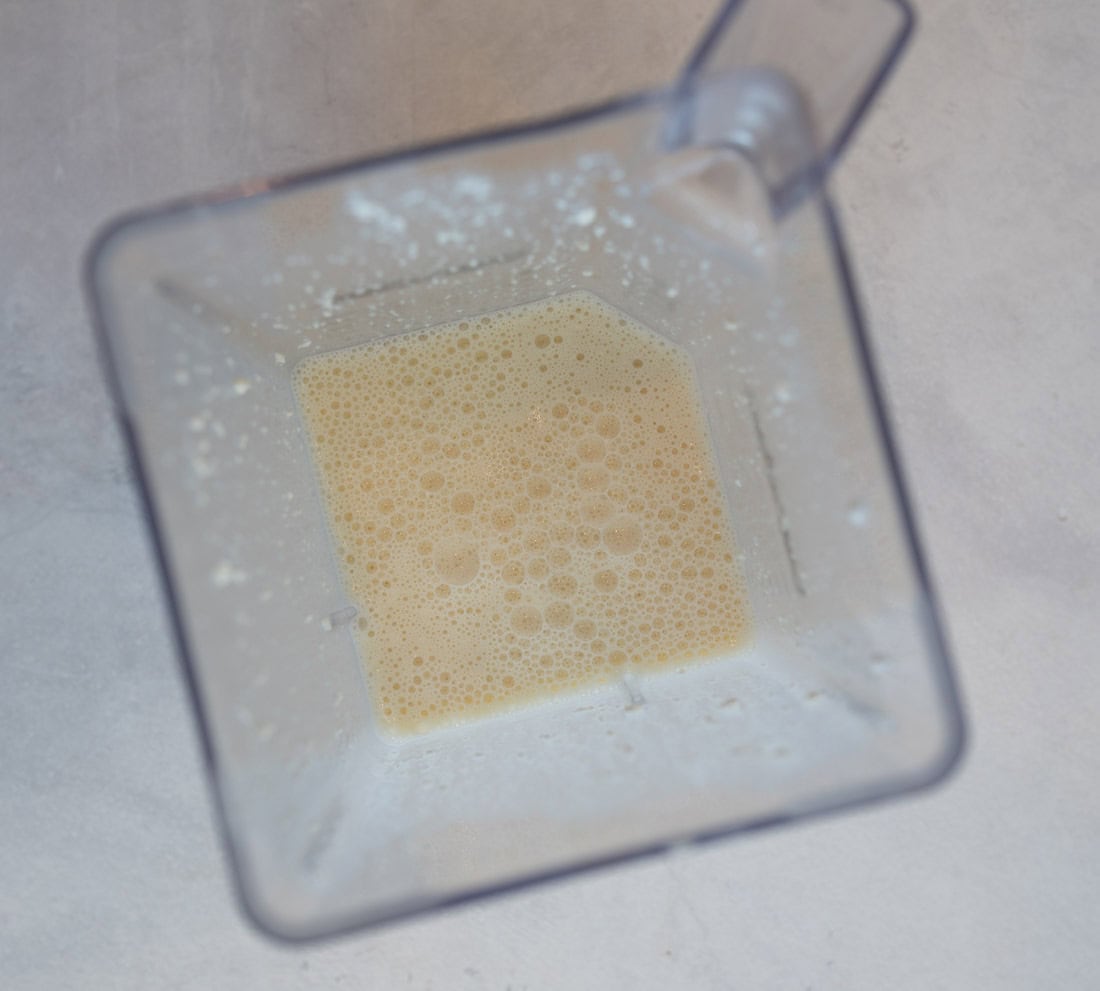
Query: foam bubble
<point>622,535</point>
<point>457,562</point>
<point>591,449</point>
<point>526,620</point>
<point>606,581</point>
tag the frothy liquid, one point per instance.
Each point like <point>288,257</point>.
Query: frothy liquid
<point>523,504</point>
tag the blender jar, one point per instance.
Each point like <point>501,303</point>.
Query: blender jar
<point>700,211</point>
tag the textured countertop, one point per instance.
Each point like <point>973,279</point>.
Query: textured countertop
<point>972,204</point>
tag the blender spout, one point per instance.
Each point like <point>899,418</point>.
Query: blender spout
<point>786,83</point>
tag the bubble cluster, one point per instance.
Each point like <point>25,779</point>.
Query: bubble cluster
<point>523,503</point>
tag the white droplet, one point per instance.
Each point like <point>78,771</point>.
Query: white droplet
<point>623,219</point>
<point>857,514</point>
<point>226,574</point>
<point>368,211</point>
<point>584,216</point>
<point>475,186</point>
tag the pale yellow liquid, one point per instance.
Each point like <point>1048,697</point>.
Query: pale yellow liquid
<point>524,504</point>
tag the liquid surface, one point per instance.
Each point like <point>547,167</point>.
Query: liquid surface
<point>524,504</point>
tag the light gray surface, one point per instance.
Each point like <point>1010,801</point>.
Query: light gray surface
<point>973,212</point>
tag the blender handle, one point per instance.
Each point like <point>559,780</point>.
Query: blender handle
<point>786,82</point>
